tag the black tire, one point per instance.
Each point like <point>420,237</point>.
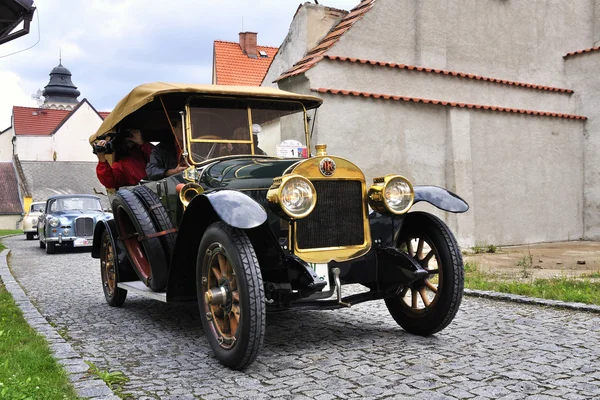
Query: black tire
<point>109,270</point>
<point>439,303</point>
<point>147,256</point>
<point>159,216</point>
<point>29,235</point>
<point>235,341</point>
<point>50,248</point>
<point>42,244</point>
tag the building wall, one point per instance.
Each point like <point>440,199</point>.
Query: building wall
<point>34,148</point>
<point>309,25</point>
<point>71,141</point>
<point>582,72</point>
<point>516,40</point>
<point>11,222</point>
<point>6,145</point>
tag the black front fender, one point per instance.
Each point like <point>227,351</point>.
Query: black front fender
<point>232,207</point>
<point>441,198</point>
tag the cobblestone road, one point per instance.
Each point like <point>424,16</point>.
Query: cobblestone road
<point>491,350</point>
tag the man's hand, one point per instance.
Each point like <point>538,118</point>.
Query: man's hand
<point>136,137</point>
<point>175,170</point>
<point>100,150</point>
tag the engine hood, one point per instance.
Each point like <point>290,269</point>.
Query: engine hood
<point>76,213</point>
<point>245,173</point>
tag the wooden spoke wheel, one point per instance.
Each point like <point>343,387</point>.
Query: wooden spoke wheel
<point>230,295</point>
<point>428,305</point>
<point>114,295</point>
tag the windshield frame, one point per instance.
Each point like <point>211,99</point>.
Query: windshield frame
<point>248,100</point>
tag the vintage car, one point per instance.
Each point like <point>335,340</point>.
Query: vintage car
<point>30,221</point>
<point>243,232</point>
<point>69,220</point>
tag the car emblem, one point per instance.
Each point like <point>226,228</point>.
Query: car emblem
<point>327,166</point>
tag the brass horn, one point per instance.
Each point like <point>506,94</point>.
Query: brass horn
<point>188,191</point>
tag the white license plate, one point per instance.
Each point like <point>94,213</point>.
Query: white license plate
<point>322,271</point>
<point>82,242</point>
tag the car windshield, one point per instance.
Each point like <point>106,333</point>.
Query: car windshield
<point>76,203</point>
<point>224,127</point>
<point>37,207</point>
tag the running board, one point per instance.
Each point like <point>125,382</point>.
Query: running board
<point>138,287</point>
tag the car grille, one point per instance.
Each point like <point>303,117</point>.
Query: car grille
<point>84,226</point>
<point>337,219</point>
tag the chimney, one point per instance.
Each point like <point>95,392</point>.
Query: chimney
<point>248,44</point>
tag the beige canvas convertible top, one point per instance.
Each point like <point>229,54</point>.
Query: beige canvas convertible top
<point>146,93</point>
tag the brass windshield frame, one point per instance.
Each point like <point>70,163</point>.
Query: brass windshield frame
<point>250,141</point>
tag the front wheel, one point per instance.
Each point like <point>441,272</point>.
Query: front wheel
<point>50,248</point>
<point>230,295</point>
<point>29,235</point>
<point>428,305</point>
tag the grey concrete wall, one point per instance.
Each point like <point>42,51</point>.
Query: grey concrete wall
<point>582,71</point>
<point>515,39</point>
<point>310,24</point>
<point>377,79</point>
<point>11,222</point>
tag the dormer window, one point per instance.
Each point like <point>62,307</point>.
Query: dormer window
<point>263,53</point>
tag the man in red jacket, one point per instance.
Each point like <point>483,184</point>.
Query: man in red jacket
<point>130,158</point>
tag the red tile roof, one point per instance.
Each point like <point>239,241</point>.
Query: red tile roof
<point>36,121</point>
<point>316,53</point>
<point>573,53</point>
<point>446,72</point>
<point>233,67</point>
<point>446,103</point>
<point>10,202</point>
<point>41,122</point>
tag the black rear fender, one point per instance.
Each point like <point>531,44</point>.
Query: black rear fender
<point>232,207</point>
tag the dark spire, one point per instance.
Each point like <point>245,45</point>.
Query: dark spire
<point>60,89</point>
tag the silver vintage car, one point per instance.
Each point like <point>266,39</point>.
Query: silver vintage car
<point>30,221</point>
<point>69,220</point>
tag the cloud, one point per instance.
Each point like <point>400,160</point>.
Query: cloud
<point>110,46</point>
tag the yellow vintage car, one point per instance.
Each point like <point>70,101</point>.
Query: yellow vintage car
<point>30,221</point>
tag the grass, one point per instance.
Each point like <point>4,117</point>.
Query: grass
<point>481,248</point>
<point>115,380</point>
<point>27,368</point>
<point>582,290</point>
<point>5,232</point>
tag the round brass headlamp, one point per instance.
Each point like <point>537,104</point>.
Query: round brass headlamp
<point>292,196</point>
<point>391,194</point>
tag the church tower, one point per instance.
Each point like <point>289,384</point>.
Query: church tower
<point>60,93</point>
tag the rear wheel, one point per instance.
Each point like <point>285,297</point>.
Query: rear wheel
<point>428,305</point>
<point>230,295</point>
<point>114,295</point>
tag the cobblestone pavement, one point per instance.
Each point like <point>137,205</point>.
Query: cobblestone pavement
<point>491,350</point>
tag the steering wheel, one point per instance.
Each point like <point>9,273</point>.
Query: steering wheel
<point>212,148</point>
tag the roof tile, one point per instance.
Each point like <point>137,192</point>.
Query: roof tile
<point>10,202</point>
<point>233,67</point>
<point>573,53</point>
<point>40,121</point>
<point>446,103</point>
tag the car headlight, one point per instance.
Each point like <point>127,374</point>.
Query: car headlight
<point>391,194</point>
<point>292,196</point>
<point>54,222</point>
<point>33,221</point>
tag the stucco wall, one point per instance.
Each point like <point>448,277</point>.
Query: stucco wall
<point>582,71</point>
<point>517,40</point>
<point>10,222</point>
<point>6,145</point>
<point>309,25</point>
<point>34,148</point>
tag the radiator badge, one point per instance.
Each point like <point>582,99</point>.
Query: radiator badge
<point>327,166</point>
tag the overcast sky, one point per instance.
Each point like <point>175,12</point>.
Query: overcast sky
<point>111,46</point>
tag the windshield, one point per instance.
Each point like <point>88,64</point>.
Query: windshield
<point>75,203</point>
<point>224,127</point>
<point>37,207</point>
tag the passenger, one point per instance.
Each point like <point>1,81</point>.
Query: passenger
<point>165,159</point>
<point>242,148</point>
<point>131,154</point>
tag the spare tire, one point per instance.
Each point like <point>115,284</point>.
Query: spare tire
<point>137,232</point>
<point>160,218</point>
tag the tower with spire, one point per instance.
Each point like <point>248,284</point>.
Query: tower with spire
<point>60,93</point>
